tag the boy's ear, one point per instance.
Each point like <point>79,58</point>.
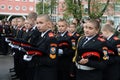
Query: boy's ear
<point>48,23</point>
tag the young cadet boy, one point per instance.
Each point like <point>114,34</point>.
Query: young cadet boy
<point>17,56</point>
<point>73,32</point>
<point>112,62</point>
<point>89,53</point>
<point>14,26</point>
<point>74,38</point>
<point>65,52</point>
<point>30,38</point>
<point>45,67</point>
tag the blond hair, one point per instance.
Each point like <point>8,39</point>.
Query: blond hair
<point>108,27</point>
<point>45,16</point>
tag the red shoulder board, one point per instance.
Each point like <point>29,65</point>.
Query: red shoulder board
<point>101,39</point>
<point>115,38</point>
<point>69,34</point>
<point>77,34</point>
<point>51,34</point>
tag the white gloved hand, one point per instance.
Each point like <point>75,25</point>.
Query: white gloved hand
<point>27,57</point>
<point>6,39</point>
<point>60,51</point>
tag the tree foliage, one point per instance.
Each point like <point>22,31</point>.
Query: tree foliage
<point>52,6</point>
<point>96,9</point>
<point>42,8</point>
<point>45,7</point>
<point>73,8</point>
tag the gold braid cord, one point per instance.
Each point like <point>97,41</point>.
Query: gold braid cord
<point>74,58</point>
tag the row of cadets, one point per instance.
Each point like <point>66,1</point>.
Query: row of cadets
<point>112,59</point>
<point>91,49</point>
<point>17,55</point>
<point>13,31</point>
<point>43,54</point>
<point>5,31</point>
<point>20,32</point>
<point>46,45</point>
<point>30,65</point>
<point>46,33</point>
<point>29,37</point>
<point>32,38</point>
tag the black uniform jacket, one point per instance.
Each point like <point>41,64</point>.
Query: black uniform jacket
<point>93,50</point>
<point>47,45</point>
<point>113,61</point>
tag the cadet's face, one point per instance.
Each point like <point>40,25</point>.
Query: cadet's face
<point>42,24</point>
<point>71,28</point>
<point>104,33</point>
<point>20,22</point>
<point>62,26</point>
<point>27,24</point>
<point>90,30</point>
<point>14,22</point>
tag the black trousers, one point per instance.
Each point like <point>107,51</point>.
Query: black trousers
<point>43,73</point>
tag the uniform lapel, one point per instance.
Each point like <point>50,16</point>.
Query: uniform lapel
<point>90,42</point>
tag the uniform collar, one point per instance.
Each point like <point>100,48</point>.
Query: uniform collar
<point>63,33</point>
<point>88,38</point>
<point>43,33</point>
<point>110,36</point>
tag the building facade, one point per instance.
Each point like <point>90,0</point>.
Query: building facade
<point>16,7</point>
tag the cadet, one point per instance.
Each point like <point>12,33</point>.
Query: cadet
<point>17,55</point>
<point>89,54</point>
<point>65,52</point>
<point>117,31</point>
<point>45,68</point>
<point>74,39</point>
<point>32,38</point>
<point>14,26</point>
<point>112,62</point>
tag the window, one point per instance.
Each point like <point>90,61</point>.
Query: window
<point>31,8</point>
<point>2,6</point>
<point>55,10</point>
<point>31,0</point>
<point>85,8</point>
<point>17,8</point>
<point>53,18</point>
<point>24,8</point>
<point>116,20</point>
<point>104,19</point>
<point>10,7</point>
<point>24,0</point>
<point>117,7</point>
<point>39,0</point>
<point>17,0</point>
